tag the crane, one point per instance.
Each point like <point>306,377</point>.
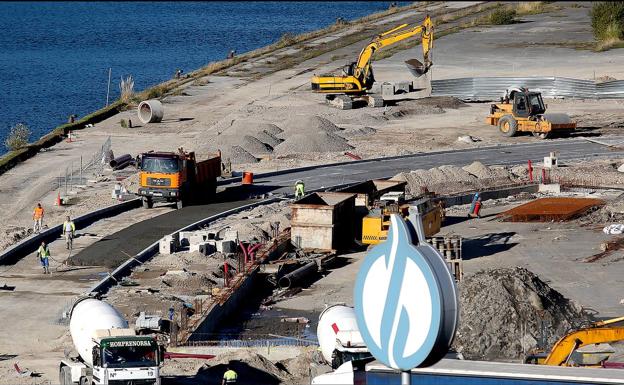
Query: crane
<point>357,78</point>
<point>596,333</point>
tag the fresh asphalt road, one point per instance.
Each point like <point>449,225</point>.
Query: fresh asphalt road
<point>352,172</point>
<point>112,250</point>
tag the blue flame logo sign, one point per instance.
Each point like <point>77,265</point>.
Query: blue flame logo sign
<point>398,301</point>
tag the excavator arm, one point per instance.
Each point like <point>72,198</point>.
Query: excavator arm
<point>358,77</point>
<point>563,349</point>
<point>392,37</point>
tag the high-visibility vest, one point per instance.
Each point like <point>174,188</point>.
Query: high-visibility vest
<point>300,188</point>
<point>43,252</point>
<point>70,224</point>
<point>38,213</point>
<point>230,376</point>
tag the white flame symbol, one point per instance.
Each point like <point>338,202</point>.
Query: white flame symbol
<point>397,301</point>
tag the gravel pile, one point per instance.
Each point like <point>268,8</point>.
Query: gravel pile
<point>501,313</point>
<point>254,146</point>
<point>302,124</point>
<point>238,155</point>
<point>251,367</point>
<point>308,142</point>
<point>357,132</point>
<point>612,212</point>
<point>268,138</point>
<point>452,179</point>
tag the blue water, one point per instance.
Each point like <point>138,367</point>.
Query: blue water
<point>55,56</point>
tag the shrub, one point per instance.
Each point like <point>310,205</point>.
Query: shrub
<point>502,16</point>
<point>123,123</point>
<point>156,92</point>
<point>18,137</point>
<point>607,19</point>
<point>126,88</point>
<point>530,7</point>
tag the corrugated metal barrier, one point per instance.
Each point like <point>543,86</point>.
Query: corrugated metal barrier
<point>492,88</point>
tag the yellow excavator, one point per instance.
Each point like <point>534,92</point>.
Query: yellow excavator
<point>357,78</point>
<point>597,333</point>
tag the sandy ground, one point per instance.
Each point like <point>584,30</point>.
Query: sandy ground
<point>208,111</point>
<point>202,117</point>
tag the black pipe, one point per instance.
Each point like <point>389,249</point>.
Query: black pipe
<point>121,161</point>
<point>297,275</point>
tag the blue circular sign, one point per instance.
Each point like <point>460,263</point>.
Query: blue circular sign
<point>405,301</point>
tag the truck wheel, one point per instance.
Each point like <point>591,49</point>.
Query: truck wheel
<point>65,376</point>
<point>179,204</point>
<point>508,125</point>
<point>541,135</point>
<point>148,203</point>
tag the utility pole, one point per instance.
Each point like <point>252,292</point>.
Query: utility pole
<point>108,88</point>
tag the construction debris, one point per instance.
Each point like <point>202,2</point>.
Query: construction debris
<point>505,311</point>
<point>550,209</point>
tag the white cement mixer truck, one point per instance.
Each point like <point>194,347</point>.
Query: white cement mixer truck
<point>339,337</point>
<point>109,352</point>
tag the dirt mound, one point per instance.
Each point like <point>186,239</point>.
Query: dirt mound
<point>612,212</point>
<point>312,142</point>
<point>299,367</point>
<point>453,179</point>
<point>305,124</point>
<point>502,311</point>
<point>250,366</point>
<point>14,235</point>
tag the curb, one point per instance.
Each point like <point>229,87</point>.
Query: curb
<point>30,244</point>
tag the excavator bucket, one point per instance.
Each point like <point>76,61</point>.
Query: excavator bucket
<point>417,68</point>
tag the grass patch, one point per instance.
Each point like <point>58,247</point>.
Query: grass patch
<point>502,16</point>
<point>607,20</point>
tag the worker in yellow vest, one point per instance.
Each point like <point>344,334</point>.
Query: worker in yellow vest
<point>299,189</point>
<point>230,377</point>
<point>44,255</point>
<point>69,229</point>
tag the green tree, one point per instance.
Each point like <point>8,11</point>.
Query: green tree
<point>18,137</point>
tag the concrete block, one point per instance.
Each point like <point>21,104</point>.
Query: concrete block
<point>553,188</point>
<point>207,248</point>
<point>402,86</point>
<point>230,235</point>
<point>184,238</point>
<point>376,88</point>
<point>167,245</point>
<point>387,89</point>
<point>226,246</point>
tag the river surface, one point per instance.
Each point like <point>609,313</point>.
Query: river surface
<point>55,56</point>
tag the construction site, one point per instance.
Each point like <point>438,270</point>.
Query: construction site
<point>225,230</point>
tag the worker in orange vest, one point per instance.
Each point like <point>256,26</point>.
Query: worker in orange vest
<point>38,218</point>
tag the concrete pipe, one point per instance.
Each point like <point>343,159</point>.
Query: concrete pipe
<point>150,111</point>
<point>297,275</point>
<point>120,162</point>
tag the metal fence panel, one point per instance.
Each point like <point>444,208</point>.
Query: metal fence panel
<point>492,88</point>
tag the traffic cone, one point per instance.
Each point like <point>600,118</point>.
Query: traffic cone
<point>58,199</point>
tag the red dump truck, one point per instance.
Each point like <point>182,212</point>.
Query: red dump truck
<point>177,177</point>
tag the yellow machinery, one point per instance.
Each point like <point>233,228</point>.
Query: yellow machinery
<point>357,77</point>
<point>375,225</point>
<point>521,110</point>
<point>597,333</point>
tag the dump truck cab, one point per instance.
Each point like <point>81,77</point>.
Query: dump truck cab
<point>176,177</point>
<point>521,110</point>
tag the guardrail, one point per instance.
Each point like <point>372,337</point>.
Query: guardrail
<point>492,88</point>
<point>30,244</point>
